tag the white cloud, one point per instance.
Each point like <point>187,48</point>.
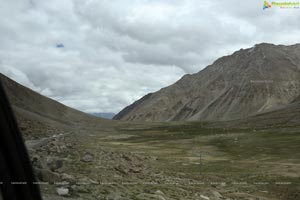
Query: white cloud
<point>16,74</point>
<point>117,51</point>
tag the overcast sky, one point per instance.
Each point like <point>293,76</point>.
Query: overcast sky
<point>101,55</point>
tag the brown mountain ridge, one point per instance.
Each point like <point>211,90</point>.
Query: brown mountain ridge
<point>41,116</point>
<point>248,82</point>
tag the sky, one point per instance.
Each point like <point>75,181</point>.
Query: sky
<point>102,55</point>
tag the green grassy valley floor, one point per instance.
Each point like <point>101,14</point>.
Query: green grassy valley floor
<point>171,161</point>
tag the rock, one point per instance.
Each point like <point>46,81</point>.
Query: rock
<point>69,145</point>
<point>47,175</point>
<point>126,157</point>
<point>69,178</point>
<point>159,197</point>
<point>94,182</point>
<point>154,158</point>
<point>150,196</point>
<point>54,164</point>
<point>204,197</point>
<point>121,169</point>
<point>135,169</point>
<point>158,192</point>
<point>88,157</point>
<point>86,181</point>
<point>36,162</point>
<point>223,184</point>
<point>62,191</point>
<point>217,194</point>
<point>80,188</point>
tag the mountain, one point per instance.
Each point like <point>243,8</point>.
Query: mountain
<point>285,116</point>
<point>39,115</point>
<point>104,115</point>
<point>248,82</point>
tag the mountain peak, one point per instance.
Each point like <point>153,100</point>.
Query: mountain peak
<point>248,82</point>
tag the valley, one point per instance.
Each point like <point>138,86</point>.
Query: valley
<point>162,161</point>
<point>210,136</point>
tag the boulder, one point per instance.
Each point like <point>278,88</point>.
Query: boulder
<point>87,157</point>
<point>217,194</point>
<point>54,164</point>
<point>122,169</point>
<point>47,175</point>
<point>204,197</point>
<point>68,178</point>
<point>61,191</point>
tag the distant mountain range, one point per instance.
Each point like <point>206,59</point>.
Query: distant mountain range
<point>249,82</point>
<point>104,115</point>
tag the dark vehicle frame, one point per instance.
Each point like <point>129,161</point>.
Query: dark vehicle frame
<point>17,181</point>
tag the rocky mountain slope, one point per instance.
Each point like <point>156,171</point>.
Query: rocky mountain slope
<point>285,116</point>
<point>38,115</point>
<point>248,82</point>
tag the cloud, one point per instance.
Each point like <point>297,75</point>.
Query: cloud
<point>114,52</point>
<point>16,74</point>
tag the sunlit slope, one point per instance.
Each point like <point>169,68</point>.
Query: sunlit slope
<point>248,82</point>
